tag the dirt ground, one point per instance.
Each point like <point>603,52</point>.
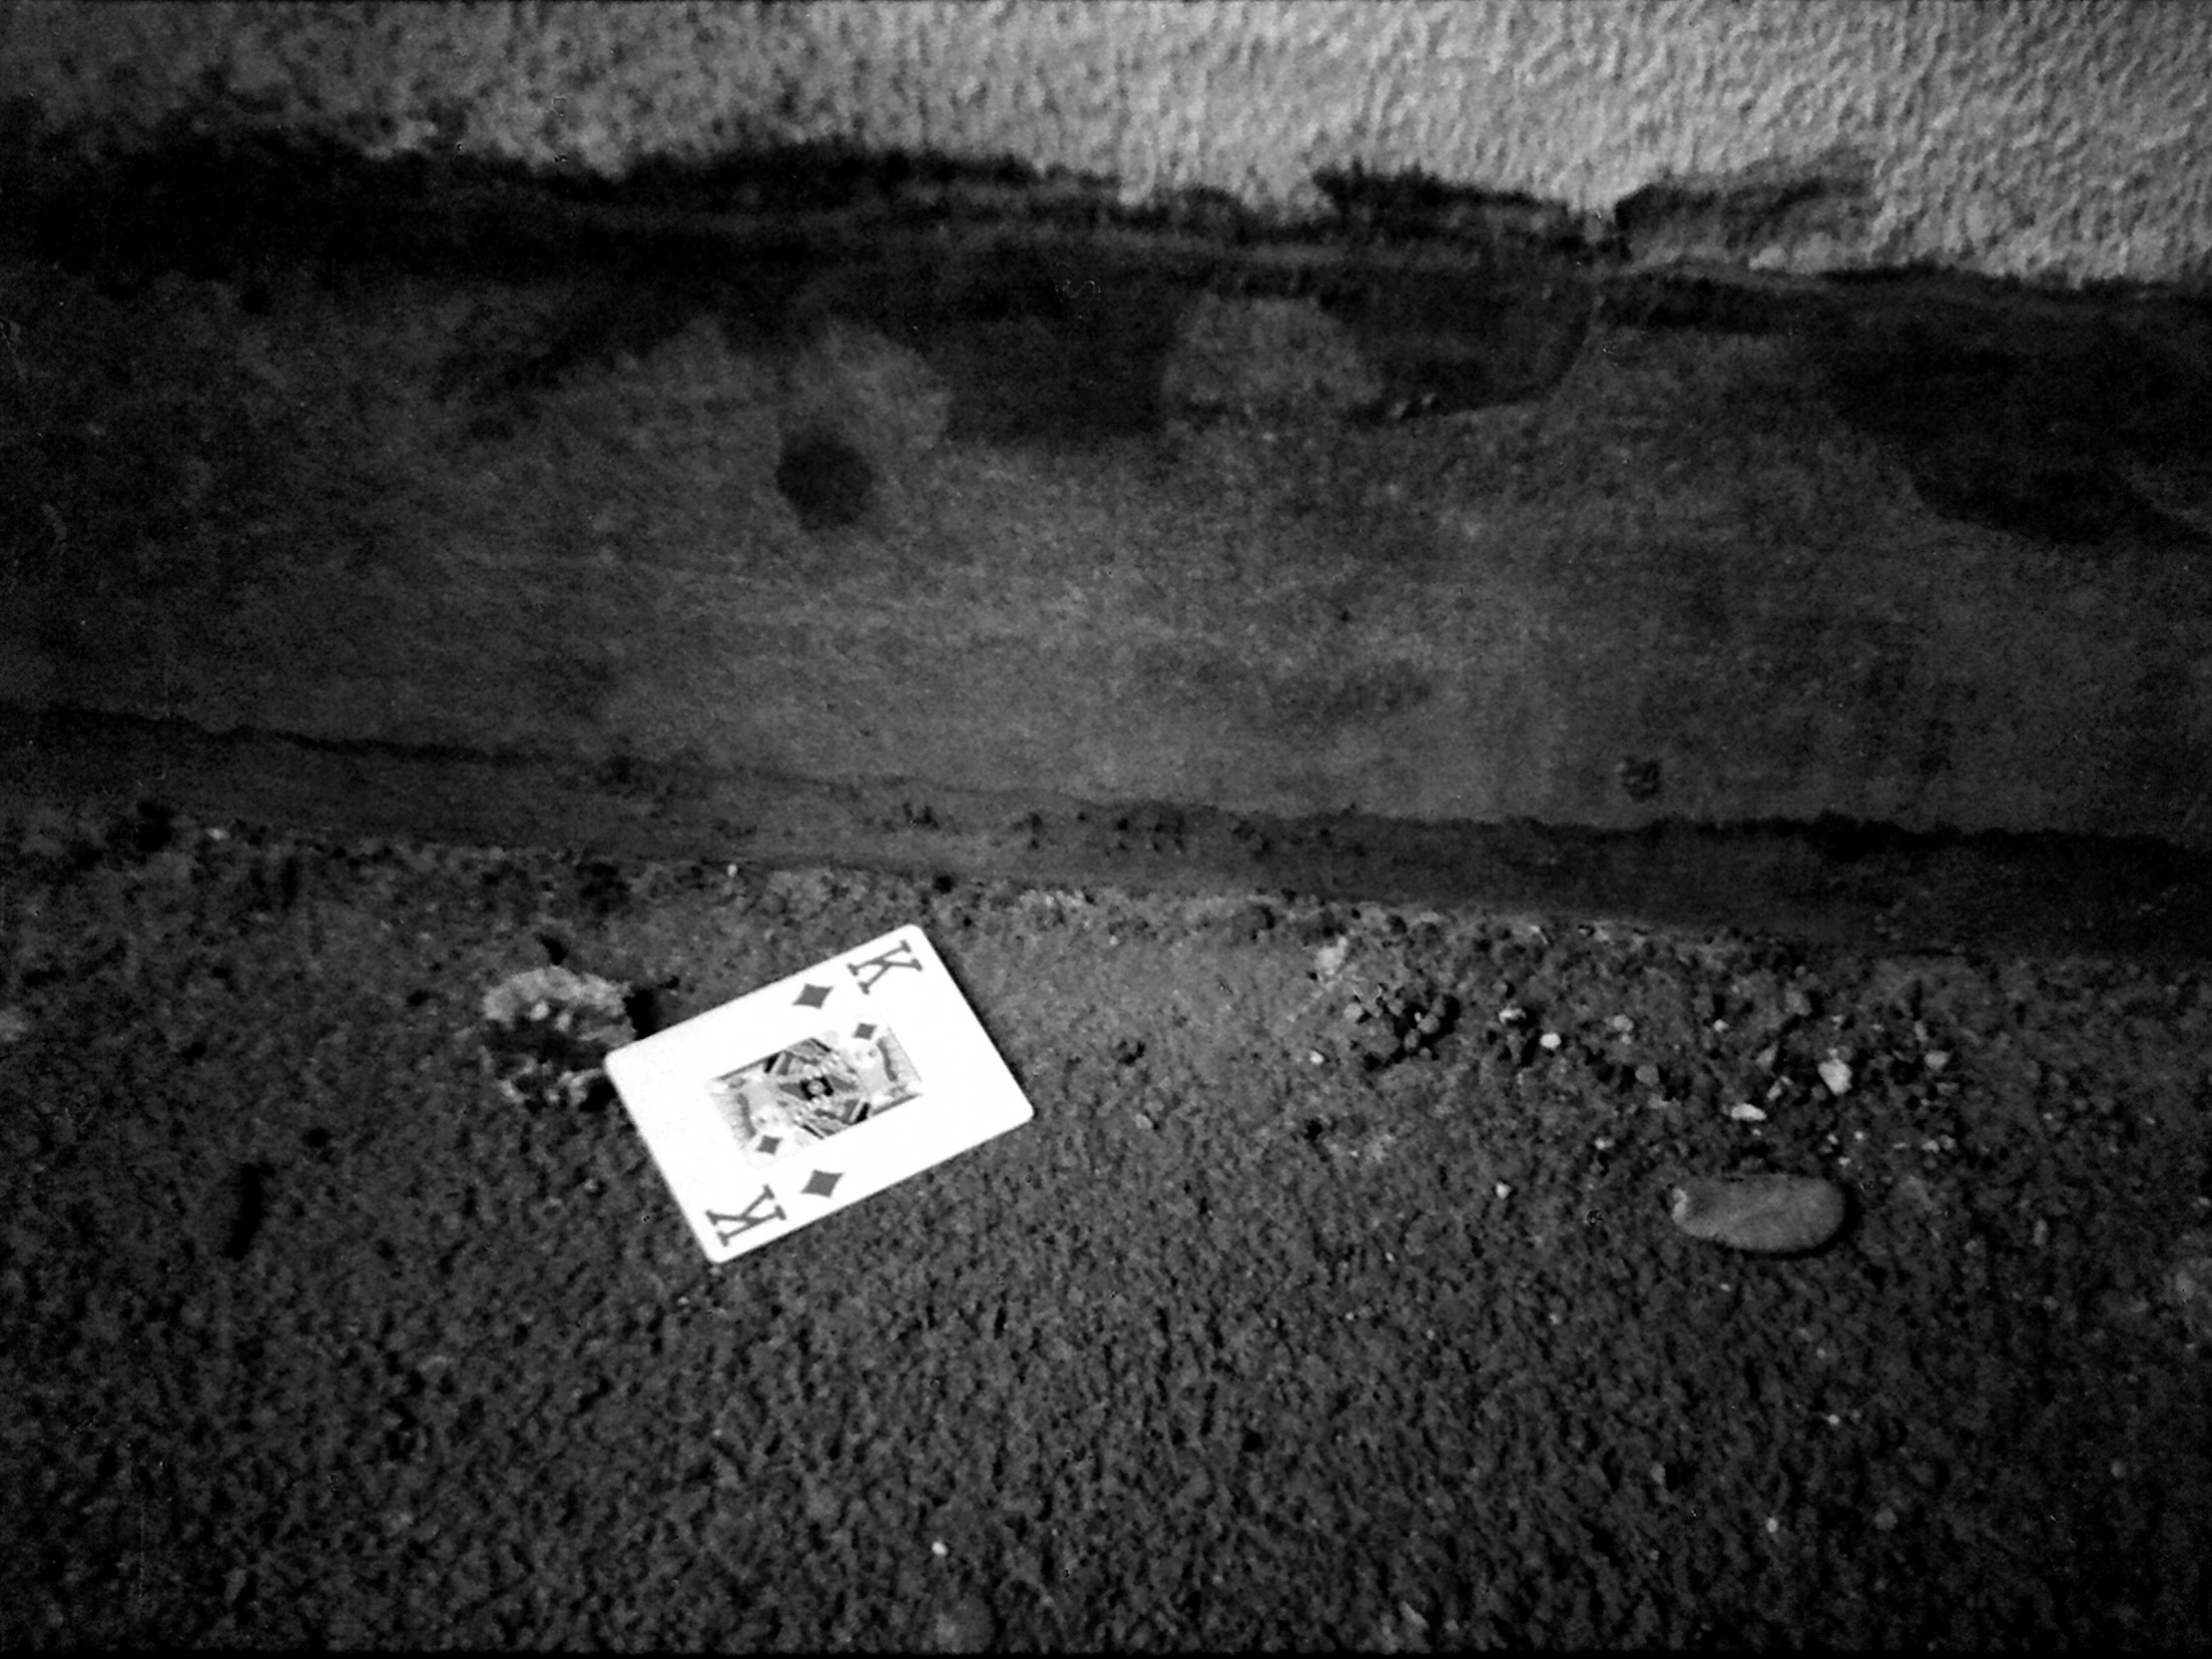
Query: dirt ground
<point>1268,1331</point>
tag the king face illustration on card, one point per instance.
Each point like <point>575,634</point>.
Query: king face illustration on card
<point>804,1097</point>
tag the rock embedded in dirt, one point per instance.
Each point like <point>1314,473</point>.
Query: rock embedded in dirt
<point>547,1033</point>
<point>1769,1214</point>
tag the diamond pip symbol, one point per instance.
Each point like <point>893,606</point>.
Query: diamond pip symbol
<point>822,1183</point>
<point>813,996</point>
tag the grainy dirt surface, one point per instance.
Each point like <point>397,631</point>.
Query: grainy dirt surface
<point>1265,1330</point>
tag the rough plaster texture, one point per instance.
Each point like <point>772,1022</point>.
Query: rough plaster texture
<point>2044,138</point>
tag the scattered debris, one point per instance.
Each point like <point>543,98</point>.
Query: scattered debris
<point>549,1030</point>
<point>1769,1214</point>
<point>1399,1021</point>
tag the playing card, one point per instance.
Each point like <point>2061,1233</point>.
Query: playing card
<point>792,1103</point>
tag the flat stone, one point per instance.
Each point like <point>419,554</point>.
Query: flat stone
<point>1769,1214</point>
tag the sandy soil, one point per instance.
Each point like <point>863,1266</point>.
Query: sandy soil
<point>1266,1331</point>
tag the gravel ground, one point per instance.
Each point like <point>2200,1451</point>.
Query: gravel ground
<point>1287,1322</point>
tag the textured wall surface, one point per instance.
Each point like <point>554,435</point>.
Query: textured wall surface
<point>2048,137</point>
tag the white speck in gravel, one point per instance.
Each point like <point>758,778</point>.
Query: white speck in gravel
<point>1836,1073</point>
<point>1745,1112</point>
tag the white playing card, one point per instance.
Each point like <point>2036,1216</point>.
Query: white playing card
<point>806,1096</point>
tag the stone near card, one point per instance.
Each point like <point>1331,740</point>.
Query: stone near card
<point>809,1095</point>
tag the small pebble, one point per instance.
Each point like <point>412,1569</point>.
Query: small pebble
<point>1745,1112</point>
<point>1769,1214</point>
<point>1836,1073</point>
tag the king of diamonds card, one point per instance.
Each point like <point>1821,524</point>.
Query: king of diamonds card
<point>804,1097</point>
